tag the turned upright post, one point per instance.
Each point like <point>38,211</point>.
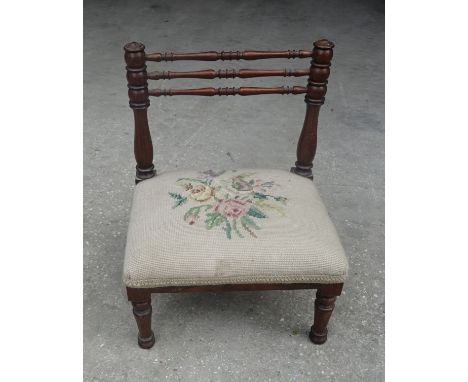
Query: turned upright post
<point>315,97</point>
<point>139,102</point>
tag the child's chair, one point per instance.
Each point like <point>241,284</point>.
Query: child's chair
<point>238,230</point>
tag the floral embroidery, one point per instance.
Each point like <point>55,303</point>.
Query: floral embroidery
<point>235,203</point>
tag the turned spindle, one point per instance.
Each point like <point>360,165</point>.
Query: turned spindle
<point>139,102</point>
<point>243,91</point>
<point>237,55</point>
<point>315,97</point>
<point>228,73</point>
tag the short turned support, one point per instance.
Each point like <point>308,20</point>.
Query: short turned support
<point>142,312</point>
<point>315,97</point>
<point>139,102</point>
<point>324,305</point>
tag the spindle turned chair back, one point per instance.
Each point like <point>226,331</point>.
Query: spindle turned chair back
<point>138,92</point>
<point>318,72</point>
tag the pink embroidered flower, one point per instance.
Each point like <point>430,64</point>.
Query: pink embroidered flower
<point>232,208</point>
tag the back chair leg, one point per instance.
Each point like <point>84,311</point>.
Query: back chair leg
<point>324,305</point>
<point>142,311</point>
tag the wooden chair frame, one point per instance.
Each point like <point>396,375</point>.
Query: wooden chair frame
<point>315,91</point>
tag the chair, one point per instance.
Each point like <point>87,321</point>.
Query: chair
<point>237,230</point>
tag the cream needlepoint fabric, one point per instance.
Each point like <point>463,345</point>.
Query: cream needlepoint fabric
<point>234,227</point>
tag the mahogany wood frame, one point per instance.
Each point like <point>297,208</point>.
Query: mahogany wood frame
<point>315,91</point>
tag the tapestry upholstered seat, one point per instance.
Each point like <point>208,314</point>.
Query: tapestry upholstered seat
<point>234,230</point>
<point>239,226</point>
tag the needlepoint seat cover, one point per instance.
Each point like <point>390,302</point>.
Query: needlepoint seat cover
<point>241,226</point>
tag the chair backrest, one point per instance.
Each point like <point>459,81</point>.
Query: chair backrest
<point>139,93</point>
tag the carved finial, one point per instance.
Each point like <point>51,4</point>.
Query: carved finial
<point>134,47</point>
<point>136,75</point>
<point>319,72</point>
<point>324,44</point>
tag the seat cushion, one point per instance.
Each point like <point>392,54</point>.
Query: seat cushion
<point>234,227</point>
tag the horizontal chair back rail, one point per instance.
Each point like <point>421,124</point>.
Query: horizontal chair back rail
<point>229,73</point>
<point>237,55</point>
<point>137,60</point>
<point>242,91</point>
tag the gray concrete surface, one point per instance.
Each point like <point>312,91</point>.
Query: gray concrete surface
<point>236,336</point>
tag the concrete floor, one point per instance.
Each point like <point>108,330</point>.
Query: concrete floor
<point>238,336</point>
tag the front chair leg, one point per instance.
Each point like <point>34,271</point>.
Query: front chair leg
<point>324,305</point>
<point>142,312</point>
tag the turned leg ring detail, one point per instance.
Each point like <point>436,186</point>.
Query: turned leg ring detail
<point>324,306</point>
<point>142,313</point>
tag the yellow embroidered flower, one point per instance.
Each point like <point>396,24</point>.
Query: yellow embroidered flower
<point>200,192</point>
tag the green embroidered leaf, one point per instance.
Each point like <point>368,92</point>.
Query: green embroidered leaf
<point>249,222</point>
<point>281,199</point>
<point>195,211</point>
<point>256,212</point>
<point>228,229</point>
<point>214,219</point>
<point>178,198</point>
<point>251,233</point>
<point>179,202</point>
<point>203,181</point>
<point>259,195</point>
<point>236,229</point>
<point>265,204</point>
